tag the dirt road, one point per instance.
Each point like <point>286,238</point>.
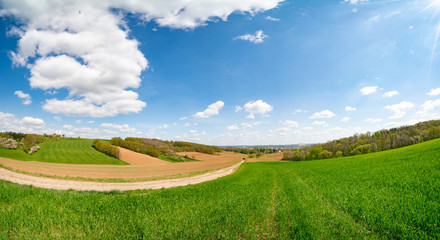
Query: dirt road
<point>58,184</point>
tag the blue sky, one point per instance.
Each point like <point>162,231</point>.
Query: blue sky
<point>228,73</point>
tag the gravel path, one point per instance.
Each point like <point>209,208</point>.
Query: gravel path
<point>51,183</point>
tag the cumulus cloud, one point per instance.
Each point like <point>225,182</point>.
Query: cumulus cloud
<point>290,124</point>
<point>373,120</point>
<point>183,118</point>
<point>24,96</point>
<point>368,90</point>
<point>85,46</point>
<point>390,94</point>
<point>349,108</point>
<point>256,38</point>
<point>257,107</point>
<point>322,114</point>
<point>345,119</point>
<point>212,110</point>
<point>319,123</point>
<point>232,127</point>
<point>434,92</point>
<point>300,111</point>
<point>428,106</point>
<point>238,109</point>
<point>355,1</point>
<point>250,124</point>
<point>33,122</point>
<point>272,18</point>
<point>8,122</point>
<point>68,126</point>
<point>399,108</point>
<point>125,128</point>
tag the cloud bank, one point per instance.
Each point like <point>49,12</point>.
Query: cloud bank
<point>86,46</point>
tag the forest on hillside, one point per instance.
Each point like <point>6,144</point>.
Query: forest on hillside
<point>369,142</point>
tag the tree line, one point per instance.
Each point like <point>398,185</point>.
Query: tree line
<point>106,148</point>
<point>175,146</point>
<point>136,146</point>
<point>369,142</point>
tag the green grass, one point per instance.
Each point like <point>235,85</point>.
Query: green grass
<point>77,151</point>
<point>387,195</point>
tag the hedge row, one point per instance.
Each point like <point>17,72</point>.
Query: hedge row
<point>106,148</point>
<point>136,146</point>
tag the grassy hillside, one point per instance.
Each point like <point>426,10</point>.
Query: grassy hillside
<point>78,151</point>
<point>391,194</point>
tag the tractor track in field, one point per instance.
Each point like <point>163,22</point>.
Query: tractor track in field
<point>60,184</point>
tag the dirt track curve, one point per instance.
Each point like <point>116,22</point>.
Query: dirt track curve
<point>51,183</point>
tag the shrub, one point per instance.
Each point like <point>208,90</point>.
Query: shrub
<point>137,147</point>
<point>106,148</point>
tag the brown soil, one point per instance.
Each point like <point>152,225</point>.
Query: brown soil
<point>211,162</point>
<point>60,184</point>
<point>134,158</point>
<point>213,157</point>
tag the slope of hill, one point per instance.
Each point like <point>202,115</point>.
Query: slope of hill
<point>68,150</point>
<point>386,195</point>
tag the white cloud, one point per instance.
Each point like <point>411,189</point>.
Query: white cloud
<point>399,108</point>
<point>434,92</point>
<point>322,114</point>
<point>250,124</point>
<point>212,110</point>
<point>78,121</point>
<point>390,94</point>
<point>8,122</point>
<point>90,122</point>
<point>125,128</point>
<point>300,111</point>
<point>232,127</point>
<point>165,126</point>
<point>183,118</point>
<point>319,123</point>
<point>57,118</point>
<point>272,18</point>
<point>349,108</point>
<point>373,120</point>
<point>428,106</point>
<point>345,119</point>
<point>257,107</point>
<point>238,109</point>
<point>290,124</point>
<point>355,1</point>
<point>24,96</point>
<point>33,122</point>
<point>98,74</point>
<point>307,128</point>
<point>368,90</point>
<point>258,37</point>
<point>67,126</point>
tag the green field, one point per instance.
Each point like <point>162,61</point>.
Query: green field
<point>385,195</point>
<point>77,151</point>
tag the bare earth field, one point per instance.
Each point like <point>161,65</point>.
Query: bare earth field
<point>60,184</point>
<point>267,158</point>
<point>142,166</point>
<point>134,158</point>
